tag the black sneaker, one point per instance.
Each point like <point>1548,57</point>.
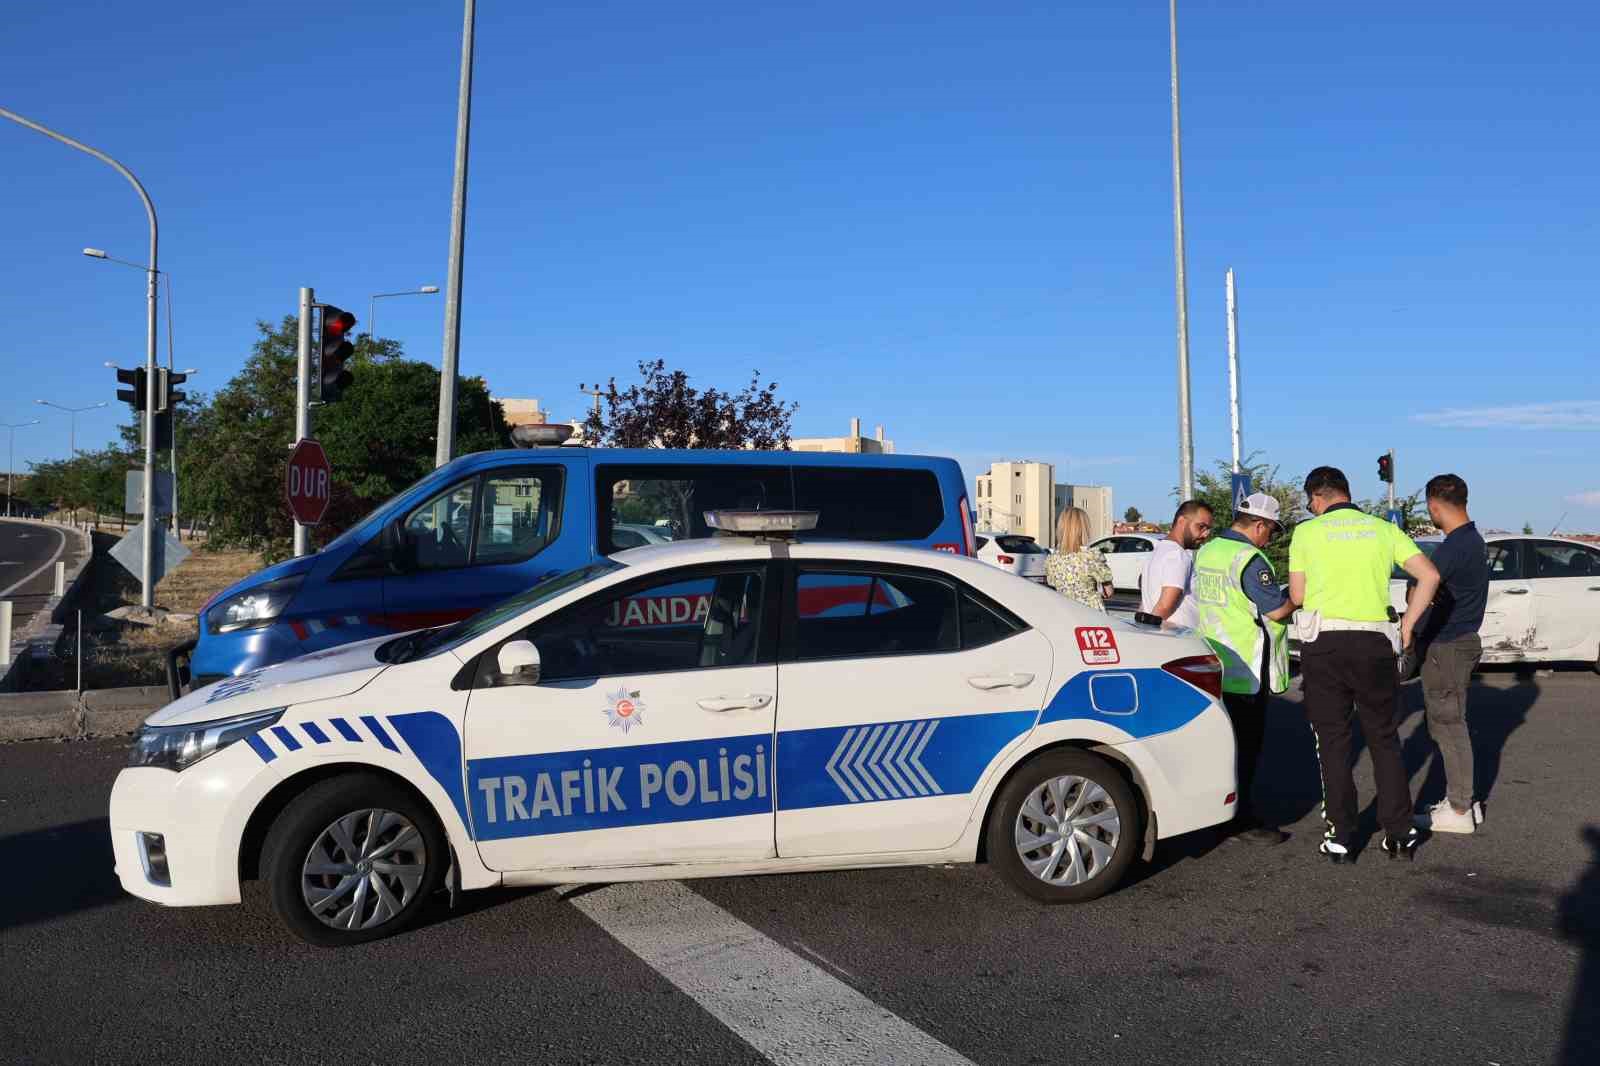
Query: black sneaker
<point>1404,847</point>
<point>1337,854</point>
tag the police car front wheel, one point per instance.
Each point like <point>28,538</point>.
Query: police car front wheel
<point>353,859</point>
<point>1065,827</point>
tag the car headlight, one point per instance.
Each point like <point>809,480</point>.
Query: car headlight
<point>253,607</point>
<point>173,747</point>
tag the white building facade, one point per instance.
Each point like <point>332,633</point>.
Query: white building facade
<point>1021,496</point>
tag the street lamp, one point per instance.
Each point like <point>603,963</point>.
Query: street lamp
<point>147,589</point>
<point>11,455</point>
<point>372,303</point>
<point>100,253</point>
<point>72,438</point>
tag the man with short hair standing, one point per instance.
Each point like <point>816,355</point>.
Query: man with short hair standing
<point>1166,585</point>
<point>1451,650</point>
<point>1241,609</point>
<point>1339,567</point>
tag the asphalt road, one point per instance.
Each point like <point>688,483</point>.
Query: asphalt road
<point>1486,950</point>
<point>27,577</point>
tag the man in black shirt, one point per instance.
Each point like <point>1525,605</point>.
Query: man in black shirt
<point>1450,638</point>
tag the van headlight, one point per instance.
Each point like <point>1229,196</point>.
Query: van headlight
<point>253,607</point>
<point>173,747</point>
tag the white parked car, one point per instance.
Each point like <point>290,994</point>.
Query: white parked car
<point>1544,599</point>
<point>1014,553</point>
<point>721,706</point>
<point>1127,553</point>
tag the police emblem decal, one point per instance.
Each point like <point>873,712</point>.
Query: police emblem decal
<point>624,709</point>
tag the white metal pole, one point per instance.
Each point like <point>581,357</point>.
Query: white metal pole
<point>302,401</point>
<point>1393,477</point>
<point>171,367</point>
<point>449,364</point>
<point>1185,430</point>
<point>1233,371</point>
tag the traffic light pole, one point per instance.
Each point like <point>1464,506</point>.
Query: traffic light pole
<point>148,589</point>
<point>450,363</point>
<point>1391,479</point>
<point>302,401</point>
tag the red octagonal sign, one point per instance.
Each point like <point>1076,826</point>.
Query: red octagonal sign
<point>307,483</point>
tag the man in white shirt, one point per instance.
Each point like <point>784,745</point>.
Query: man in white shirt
<point>1167,585</point>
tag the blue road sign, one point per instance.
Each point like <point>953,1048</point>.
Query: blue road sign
<point>1396,517</point>
<point>1241,489</point>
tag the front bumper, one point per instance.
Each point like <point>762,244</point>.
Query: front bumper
<point>200,815</point>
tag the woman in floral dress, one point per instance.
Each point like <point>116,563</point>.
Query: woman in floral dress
<point>1078,572</point>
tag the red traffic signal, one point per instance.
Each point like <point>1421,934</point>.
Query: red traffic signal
<point>333,352</point>
<point>1386,467</point>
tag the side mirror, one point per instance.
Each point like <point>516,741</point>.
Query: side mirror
<point>519,663</point>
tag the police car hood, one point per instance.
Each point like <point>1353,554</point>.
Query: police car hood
<point>319,676</point>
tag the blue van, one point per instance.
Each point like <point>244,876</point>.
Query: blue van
<point>491,524</point>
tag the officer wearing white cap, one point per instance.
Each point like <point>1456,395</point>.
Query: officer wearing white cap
<point>1241,608</point>
<point>1339,567</point>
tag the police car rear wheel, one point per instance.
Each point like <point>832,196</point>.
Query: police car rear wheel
<point>353,859</point>
<point>1065,828</point>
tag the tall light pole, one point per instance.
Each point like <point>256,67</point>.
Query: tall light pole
<point>72,431</point>
<point>1233,373</point>
<point>99,253</point>
<point>147,591</point>
<point>11,455</point>
<point>1185,430</point>
<point>449,364</point>
<point>372,304</point>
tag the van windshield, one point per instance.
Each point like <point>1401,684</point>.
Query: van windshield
<point>428,642</point>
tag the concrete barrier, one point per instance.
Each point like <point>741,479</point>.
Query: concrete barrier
<point>60,715</point>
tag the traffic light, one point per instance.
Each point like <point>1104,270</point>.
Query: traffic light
<point>335,350</point>
<point>135,392</point>
<point>1386,467</point>
<point>167,400</point>
<point>169,386</point>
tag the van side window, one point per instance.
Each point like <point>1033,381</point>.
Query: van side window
<point>440,530</point>
<point>519,516</point>
<point>854,503</point>
<point>654,504</point>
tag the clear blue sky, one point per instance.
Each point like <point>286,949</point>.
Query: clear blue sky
<point>953,219</point>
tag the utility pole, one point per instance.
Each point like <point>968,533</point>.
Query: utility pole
<point>147,592</point>
<point>449,365</point>
<point>595,391</point>
<point>1392,477</point>
<point>302,401</point>
<point>1233,370</point>
<point>1185,430</point>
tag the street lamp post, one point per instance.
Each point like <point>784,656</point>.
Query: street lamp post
<point>372,304</point>
<point>147,591</point>
<point>99,253</point>
<point>445,446</point>
<point>1185,429</point>
<point>11,455</point>
<point>72,430</point>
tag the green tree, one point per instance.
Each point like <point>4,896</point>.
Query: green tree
<point>1132,516</point>
<point>1215,489</point>
<point>1413,512</point>
<point>1527,527</point>
<point>380,437</point>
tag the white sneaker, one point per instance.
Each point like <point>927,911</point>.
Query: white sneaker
<point>1443,818</point>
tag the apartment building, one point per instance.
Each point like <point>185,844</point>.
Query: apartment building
<point>1018,496</point>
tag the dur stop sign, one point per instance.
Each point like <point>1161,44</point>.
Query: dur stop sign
<point>307,482</point>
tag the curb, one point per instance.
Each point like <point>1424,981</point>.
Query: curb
<point>60,715</point>
<point>37,639</point>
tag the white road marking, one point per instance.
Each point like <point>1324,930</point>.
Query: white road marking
<point>48,563</point>
<point>788,1009</point>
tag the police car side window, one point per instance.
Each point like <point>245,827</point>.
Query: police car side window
<point>984,622</point>
<point>847,615</point>
<point>687,621</point>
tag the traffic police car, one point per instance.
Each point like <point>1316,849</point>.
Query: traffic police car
<point>744,704</point>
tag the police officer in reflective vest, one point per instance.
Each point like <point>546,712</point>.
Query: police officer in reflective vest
<point>1340,563</point>
<point>1241,608</point>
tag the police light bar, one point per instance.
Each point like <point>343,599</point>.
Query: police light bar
<point>537,436</point>
<point>762,522</point>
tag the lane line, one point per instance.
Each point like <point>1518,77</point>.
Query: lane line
<point>788,1009</point>
<point>48,563</point>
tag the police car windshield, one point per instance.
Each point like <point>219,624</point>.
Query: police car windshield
<point>434,641</point>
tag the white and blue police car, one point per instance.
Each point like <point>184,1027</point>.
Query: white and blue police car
<point>751,703</point>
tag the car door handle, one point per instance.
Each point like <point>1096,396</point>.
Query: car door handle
<point>991,681</point>
<point>752,701</point>
<point>1516,592</point>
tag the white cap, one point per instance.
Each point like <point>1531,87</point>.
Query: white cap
<point>1259,505</point>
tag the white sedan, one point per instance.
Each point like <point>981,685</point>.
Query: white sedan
<point>1127,553</point>
<point>1544,599</point>
<point>1015,553</point>
<point>713,707</point>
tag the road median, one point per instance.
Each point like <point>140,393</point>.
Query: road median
<point>64,715</point>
